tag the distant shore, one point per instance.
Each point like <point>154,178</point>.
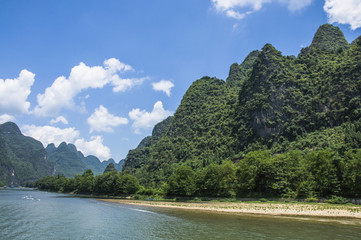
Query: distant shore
<point>267,208</point>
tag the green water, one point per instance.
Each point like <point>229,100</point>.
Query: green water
<point>41,215</point>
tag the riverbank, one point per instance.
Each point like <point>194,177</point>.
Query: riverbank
<point>260,208</point>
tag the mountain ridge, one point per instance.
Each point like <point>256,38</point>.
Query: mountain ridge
<point>268,102</point>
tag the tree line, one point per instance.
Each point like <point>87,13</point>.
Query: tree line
<point>294,174</point>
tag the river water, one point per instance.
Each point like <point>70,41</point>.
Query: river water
<point>42,215</point>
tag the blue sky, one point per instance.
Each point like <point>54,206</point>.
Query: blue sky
<point>101,74</point>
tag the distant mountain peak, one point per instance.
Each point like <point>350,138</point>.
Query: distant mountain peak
<point>10,128</point>
<point>329,38</point>
<point>238,72</point>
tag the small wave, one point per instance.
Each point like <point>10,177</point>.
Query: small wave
<point>142,210</point>
<point>31,198</point>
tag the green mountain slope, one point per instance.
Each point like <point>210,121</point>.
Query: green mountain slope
<point>21,154</point>
<point>271,103</point>
<point>69,161</point>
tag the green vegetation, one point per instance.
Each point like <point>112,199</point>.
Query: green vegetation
<point>110,183</point>
<point>30,160</point>
<point>25,155</point>
<point>280,126</point>
<point>69,161</point>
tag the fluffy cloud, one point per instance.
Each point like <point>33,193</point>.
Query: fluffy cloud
<point>6,118</point>
<point>59,119</point>
<point>145,120</point>
<point>14,93</point>
<point>231,7</point>
<point>94,147</point>
<point>50,134</point>
<point>164,86</point>
<point>344,12</point>
<point>102,121</point>
<point>113,65</point>
<point>63,90</point>
<point>123,84</point>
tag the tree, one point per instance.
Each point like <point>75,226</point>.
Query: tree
<point>85,182</point>
<point>352,173</point>
<point>127,183</point>
<point>182,182</point>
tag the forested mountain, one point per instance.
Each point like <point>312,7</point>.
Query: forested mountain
<point>279,125</point>
<point>23,155</point>
<point>69,161</point>
<point>30,160</point>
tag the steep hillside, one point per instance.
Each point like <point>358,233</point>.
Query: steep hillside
<point>269,101</point>
<point>21,154</point>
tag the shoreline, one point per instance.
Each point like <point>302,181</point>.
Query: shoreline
<point>268,209</point>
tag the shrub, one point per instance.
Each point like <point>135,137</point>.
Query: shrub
<point>338,200</point>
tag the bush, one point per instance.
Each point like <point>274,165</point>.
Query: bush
<point>338,200</point>
<point>312,199</point>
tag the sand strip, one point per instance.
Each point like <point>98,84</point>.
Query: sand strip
<point>275,209</point>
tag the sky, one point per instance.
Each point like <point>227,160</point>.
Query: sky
<point>101,73</point>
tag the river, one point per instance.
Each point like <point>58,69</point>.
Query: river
<point>42,215</point>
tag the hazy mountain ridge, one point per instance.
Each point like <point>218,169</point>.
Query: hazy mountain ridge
<point>30,160</point>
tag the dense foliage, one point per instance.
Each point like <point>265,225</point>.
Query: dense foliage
<point>109,183</point>
<point>279,126</point>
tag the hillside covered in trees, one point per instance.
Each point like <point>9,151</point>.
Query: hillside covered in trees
<point>278,126</point>
<point>29,160</point>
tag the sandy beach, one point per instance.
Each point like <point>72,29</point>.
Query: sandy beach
<point>272,209</point>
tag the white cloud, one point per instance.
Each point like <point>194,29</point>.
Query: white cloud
<point>344,12</point>
<point>50,134</point>
<point>102,121</point>
<point>232,7</point>
<point>123,84</point>
<point>113,65</point>
<point>145,120</point>
<point>94,147</point>
<point>164,86</point>
<point>6,118</point>
<point>224,5</point>
<point>14,93</point>
<point>59,119</point>
<point>63,90</point>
